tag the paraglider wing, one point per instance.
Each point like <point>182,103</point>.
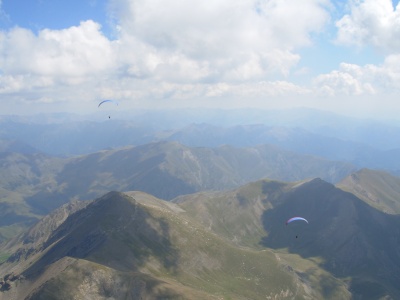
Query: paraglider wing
<point>296,219</point>
<point>104,101</point>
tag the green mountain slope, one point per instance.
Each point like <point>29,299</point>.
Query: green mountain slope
<point>212,245</point>
<point>378,188</point>
<point>346,240</point>
<point>22,176</point>
<point>123,244</point>
<point>236,214</point>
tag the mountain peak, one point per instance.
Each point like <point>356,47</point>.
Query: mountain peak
<point>379,189</point>
<point>153,243</point>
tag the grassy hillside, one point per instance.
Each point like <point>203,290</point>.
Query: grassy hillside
<point>354,241</point>
<point>83,279</point>
<point>151,245</point>
<point>231,245</point>
<point>346,241</point>
<point>22,176</point>
<point>378,188</point>
<point>235,215</point>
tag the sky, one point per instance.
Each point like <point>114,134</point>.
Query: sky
<point>341,56</point>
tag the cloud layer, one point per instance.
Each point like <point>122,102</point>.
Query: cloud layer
<point>185,50</point>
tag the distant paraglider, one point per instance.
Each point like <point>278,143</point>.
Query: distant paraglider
<point>108,101</point>
<point>296,219</point>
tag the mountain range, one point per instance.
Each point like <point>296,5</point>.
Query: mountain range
<point>210,245</point>
<point>34,184</point>
<point>153,207</point>
<point>136,246</point>
<point>364,143</point>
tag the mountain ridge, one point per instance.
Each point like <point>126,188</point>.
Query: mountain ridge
<point>348,249</point>
<point>41,183</point>
<point>347,237</point>
<point>158,244</point>
<point>377,188</point>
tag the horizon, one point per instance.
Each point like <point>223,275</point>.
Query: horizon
<point>205,115</point>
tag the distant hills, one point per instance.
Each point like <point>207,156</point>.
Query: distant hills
<point>382,135</point>
<point>35,184</point>
<point>364,143</point>
<point>227,245</point>
<point>16,146</point>
<point>296,139</point>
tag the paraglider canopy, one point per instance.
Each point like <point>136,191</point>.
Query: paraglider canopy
<point>296,219</point>
<point>115,103</point>
<point>105,101</point>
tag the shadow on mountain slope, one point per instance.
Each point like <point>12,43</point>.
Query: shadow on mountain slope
<point>353,239</point>
<point>114,231</point>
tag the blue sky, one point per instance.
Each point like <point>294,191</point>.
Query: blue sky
<point>54,14</point>
<point>342,56</point>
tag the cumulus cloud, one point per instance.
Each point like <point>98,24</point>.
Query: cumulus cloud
<point>218,40</point>
<point>46,65</point>
<point>371,22</point>
<point>352,79</point>
<point>72,52</point>
<point>367,23</point>
<point>169,49</point>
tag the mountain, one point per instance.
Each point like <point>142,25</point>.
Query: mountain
<point>35,184</point>
<point>364,143</point>
<point>77,137</point>
<point>23,175</point>
<point>231,245</point>
<point>16,146</point>
<point>378,188</point>
<point>382,135</point>
<point>169,169</point>
<point>346,243</point>
<point>138,247</point>
<point>352,239</point>
<point>298,139</point>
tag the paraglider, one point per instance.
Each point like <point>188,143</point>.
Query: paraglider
<point>108,101</point>
<point>105,101</point>
<point>295,219</point>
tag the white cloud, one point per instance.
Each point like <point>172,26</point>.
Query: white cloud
<point>371,22</point>
<point>220,40</point>
<point>368,23</point>
<point>56,65</point>
<point>172,49</point>
<point>73,52</point>
<point>197,51</point>
<point>352,79</point>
